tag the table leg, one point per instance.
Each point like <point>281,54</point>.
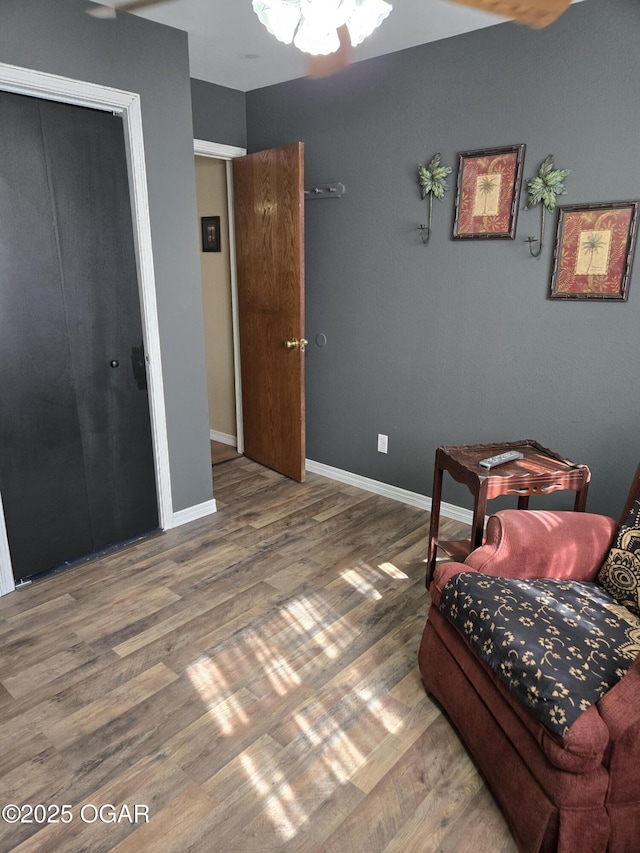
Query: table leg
<point>581,498</point>
<point>434,522</point>
<point>479,511</point>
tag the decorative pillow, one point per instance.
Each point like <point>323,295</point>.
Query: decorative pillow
<point>620,572</point>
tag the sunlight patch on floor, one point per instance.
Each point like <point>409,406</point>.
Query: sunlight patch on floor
<point>393,571</point>
<point>281,806</point>
<point>355,579</point>
<point>337,739</point>
<point>334,747</point>
<point>335,638</point>
<point>391,722</point>
<point>214,690</point>
<point>274,665</point>
<point>302,613</point>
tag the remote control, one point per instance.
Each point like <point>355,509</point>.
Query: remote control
<point>500,459</point>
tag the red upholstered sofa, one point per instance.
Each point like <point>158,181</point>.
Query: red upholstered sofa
<point>579,793</point>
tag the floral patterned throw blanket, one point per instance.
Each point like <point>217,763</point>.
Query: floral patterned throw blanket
<point>557,645</point>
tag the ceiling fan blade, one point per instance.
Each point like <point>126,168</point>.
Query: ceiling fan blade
<point>100,11</point>
<point>535,13</point>
<point>332,63</point>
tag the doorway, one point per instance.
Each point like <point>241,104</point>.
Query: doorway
<point>266,227</point>
<point>215,273</point>
<point>214,186</point>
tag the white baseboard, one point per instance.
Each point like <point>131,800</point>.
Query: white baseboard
<point>192,513</point>
<point>223,437</point>
<point>457,513</point>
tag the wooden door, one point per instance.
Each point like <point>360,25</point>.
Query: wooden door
<point>76,455</point>
<point>269,222</point>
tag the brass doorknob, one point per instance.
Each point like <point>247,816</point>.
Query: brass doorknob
<point>294,343</point>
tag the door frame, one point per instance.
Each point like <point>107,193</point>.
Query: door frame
<point>202,148</point>
<point>24,81</point>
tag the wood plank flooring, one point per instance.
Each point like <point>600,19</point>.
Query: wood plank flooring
<point>250,679</point>
<point>222,452</point>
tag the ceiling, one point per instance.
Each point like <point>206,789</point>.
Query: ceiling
<point>229,46</point>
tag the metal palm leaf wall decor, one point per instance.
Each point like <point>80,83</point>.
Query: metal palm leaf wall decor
<point>544,190</point>
<point>431,180</point>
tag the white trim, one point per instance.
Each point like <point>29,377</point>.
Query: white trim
<point>192,513</point>
<point>457,513</point>
<point>223,437</point>
<point>150,326</point>
<point>235,314</point>
<point>216,149</point>
<point>203,148</point>
<point>38,84</point>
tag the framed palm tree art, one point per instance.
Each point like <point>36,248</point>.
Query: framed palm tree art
<point>593,252</point>
<point>488,192</point>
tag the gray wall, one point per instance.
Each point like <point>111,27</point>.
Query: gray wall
<point>219,114</point>
<point>139,56</point>
<point>457,342</point>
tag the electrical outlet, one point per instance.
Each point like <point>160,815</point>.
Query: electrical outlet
<point>383,443</point>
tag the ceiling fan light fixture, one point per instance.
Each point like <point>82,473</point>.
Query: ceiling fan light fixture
<point>367,16</point>
<point>314,40</point>
<point>280,17</point>
<point>312,24</point>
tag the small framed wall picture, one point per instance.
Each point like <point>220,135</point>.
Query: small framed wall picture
<point>210,233</point>
<point>593,251</point>
<point>488,192</point>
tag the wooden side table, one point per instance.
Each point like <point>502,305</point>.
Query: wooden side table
<point>539,472</point>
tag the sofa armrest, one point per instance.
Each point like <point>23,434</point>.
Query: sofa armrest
<point>441,575</point>
<point>620,706</point>
<point>620,711</point>
<point>537,544</point>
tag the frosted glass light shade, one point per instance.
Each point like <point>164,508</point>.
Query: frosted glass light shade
<point>312,24</point>
<point>367,15</point>
<point>280,17</point>
<point>316,41</point>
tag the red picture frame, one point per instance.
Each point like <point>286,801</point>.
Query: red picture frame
<point>488,192</point>
<point>593,252</point>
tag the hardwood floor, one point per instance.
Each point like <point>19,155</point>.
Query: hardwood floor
<point>222,453</point>
<point>250,678</point>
